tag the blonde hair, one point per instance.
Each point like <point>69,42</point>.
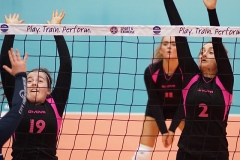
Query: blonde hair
<point>157,55</point>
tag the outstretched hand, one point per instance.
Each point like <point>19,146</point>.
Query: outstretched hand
<point>13,19</point>
<point>56,19</point>
<point>18,64</point>
<point>210,4</point>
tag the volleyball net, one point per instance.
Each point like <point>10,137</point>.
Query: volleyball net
<point>107,101</point>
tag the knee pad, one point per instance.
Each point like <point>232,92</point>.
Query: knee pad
<point>143,153</point>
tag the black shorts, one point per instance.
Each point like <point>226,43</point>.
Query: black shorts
<point>183,155</point>
<point>167,113</point>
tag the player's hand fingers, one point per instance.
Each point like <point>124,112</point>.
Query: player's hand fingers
<point>62,14</point>
<point>21,21</point>
<point>25,58</point>
<point>18,57</point>
<point>10,55</point>
<point>9,70</point>
<point>14,16</point>
<point>17,16</point>
<point>56,13</point>
<point>6,18</point>
<point>52,14</point>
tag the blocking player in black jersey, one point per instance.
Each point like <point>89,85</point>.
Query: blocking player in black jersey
<point>207,94</point>
<point>10,121</point>
<point>163,80</point>
<point>37,134</point>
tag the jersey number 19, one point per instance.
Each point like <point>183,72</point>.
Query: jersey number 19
<point>40,125</point>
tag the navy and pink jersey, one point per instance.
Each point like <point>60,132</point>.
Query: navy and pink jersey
<point>37,134</point>
<point>164,93</point>
<point>10,121</point>
<point>206,101</point>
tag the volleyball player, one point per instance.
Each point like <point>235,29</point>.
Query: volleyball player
<point>10,121</point>
<point>207,94</point>
<point>37,134</point>
<point>163,80</point>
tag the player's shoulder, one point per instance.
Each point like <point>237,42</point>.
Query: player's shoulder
<point>153,67</point>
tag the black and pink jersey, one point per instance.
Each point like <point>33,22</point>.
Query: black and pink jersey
<point>206,101</point>
<point>37,134</point>
<point>164,93</point>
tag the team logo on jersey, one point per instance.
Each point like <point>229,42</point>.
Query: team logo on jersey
<point>4,28</point>
<point>22,93</point>
<point>114,30</point>
<point>156,30</point>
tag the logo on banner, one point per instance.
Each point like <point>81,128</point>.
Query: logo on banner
<point>156,30</point>
<point>129,30</point>
<point>4,28</point>
<point>114,30</point>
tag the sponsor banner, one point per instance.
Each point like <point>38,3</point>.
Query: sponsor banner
<point>120,30</point>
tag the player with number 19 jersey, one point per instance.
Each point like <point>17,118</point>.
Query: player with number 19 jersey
<point>206,101</point>
<point>37,134</point>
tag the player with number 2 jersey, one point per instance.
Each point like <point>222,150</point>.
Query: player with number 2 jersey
<point>207,94</point>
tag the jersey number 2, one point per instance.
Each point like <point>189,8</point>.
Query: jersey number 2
<point>205,108</point>
<point>40,124</point>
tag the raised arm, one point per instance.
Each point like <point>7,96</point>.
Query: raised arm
<point>224,68</point>
<point>153,101</point>
<point>7,79</point>
<point>186,61</point>
<point>63,83</point>
<point>10,121</point>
